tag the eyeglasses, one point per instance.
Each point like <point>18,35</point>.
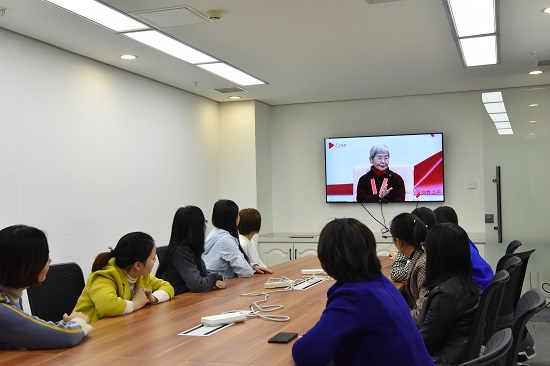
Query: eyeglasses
<point>381,158</point>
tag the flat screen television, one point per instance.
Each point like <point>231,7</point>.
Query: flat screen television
<point>410,168</point>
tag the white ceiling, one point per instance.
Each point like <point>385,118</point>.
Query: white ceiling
<point>307,50</point>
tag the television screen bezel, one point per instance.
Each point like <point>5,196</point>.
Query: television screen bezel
<point>391,135</point>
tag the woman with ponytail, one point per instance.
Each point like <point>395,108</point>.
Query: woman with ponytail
<point>182,264</point>
<point>121,280</point>
<point>408,233</point>
<point>222,251</point>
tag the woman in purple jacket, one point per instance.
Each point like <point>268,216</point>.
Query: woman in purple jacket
<point>366,320</point>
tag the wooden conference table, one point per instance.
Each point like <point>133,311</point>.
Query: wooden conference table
<point>150,336</point>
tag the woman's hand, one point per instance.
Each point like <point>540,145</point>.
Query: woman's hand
<point>76,314</point>
<point>260,269</point>
<point>219,285</point>
<point>140,298</point>
<point>392,256</point>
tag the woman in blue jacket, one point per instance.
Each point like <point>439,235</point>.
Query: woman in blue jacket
<point>24,262</point>
<point>222,251</point>
<point>366,321</point>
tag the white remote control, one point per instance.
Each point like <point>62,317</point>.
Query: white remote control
<point>277,284</point>
<point>221,319</point>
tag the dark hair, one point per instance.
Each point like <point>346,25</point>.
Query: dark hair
<point>224,216</point>
<point>445,214</point>
<point>131,248</point>
<point>187,231</point>
<point>409,228</point>
<point>426,215</point>
<point>447,255</point>
<point>347,251</point>
<point>250,221</point>
<point>24,253</point>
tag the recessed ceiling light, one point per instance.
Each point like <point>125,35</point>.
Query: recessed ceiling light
<point>234,97</point>
<point>532,134</point>
<point>535,72</point>
<point>546,10</point>
<point>505,131</point>
<point>533,105</point>
<point>128,57</point>
<point>532,121</point>
<point>230,73</point>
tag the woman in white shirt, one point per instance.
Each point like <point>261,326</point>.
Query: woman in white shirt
<point>249,225</point>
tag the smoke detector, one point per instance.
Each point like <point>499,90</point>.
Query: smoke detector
<point>214,14</point>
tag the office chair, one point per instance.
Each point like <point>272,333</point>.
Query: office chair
<point>513,288</point>
<point>491,295</point>
<point>496,350</point>
<point>161,251</point>
<point>529,304</point>
<point>58,294</point>
<point>511,265</point>
<point>511,248</point>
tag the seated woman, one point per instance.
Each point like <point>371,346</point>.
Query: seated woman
<point>408,232</point>
<point>24,262</point>
<point>182,264</point>
<point>482,273</point>
<point>121,280</point>
<point>400,262</point>
<point>222,252</point>
<point>450,308</point>
<point>366,320</point>
<point>249,225</point>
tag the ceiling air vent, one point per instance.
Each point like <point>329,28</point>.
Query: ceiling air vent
<point>234,89</point>
<point>542,63</point>
<point>374,2</point>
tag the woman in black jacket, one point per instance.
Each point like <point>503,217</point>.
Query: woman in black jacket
<point>448,312</point>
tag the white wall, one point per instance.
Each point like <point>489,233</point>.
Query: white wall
<point>89,153</point>
<point>297,133</point>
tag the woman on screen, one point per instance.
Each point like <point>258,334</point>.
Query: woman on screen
<point>182,264</point>
<point>24,262</point>
<point>121,280</point>
<point>222,252</point>
<point>408,232</point>
<point>366,320</point>
<point>380,184</point>
<point>448,312</point>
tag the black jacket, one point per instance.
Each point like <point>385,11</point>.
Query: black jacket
<point>446,319</point>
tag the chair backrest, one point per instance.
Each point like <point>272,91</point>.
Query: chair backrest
<point>58,294</point>
<point>161,251</point>
<point>511,265</point>
<point>496,350</point>
<point>513,289</point>
<point>528,305</point>
<point>479,326</point>
<point>514,244</point>
<point>405,171</point>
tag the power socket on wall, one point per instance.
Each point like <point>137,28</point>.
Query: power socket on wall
<point>489,218</point>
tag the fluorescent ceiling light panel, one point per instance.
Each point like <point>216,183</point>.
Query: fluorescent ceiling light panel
<point>230,73</point>
<point>501,125</point>
<point>495,107</point>
<point>473,17</point>
<point>100,14</point>
<point>479,50</point>
<point>499,117</point>
<point>161,42</point>
<point>505,131</point>
<point>491,97</point>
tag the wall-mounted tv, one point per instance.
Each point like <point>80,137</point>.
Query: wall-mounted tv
<point>403,168</point>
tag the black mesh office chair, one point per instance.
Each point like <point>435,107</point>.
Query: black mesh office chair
<point>496,350</point>
<point>511,248</point>
<point>58,294</point>
<point>529,304</point>
<point>491,295</point>
<point>513,288</point>
<point>161,251</point>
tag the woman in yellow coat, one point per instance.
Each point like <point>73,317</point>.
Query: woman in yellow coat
<point>121,280</point>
